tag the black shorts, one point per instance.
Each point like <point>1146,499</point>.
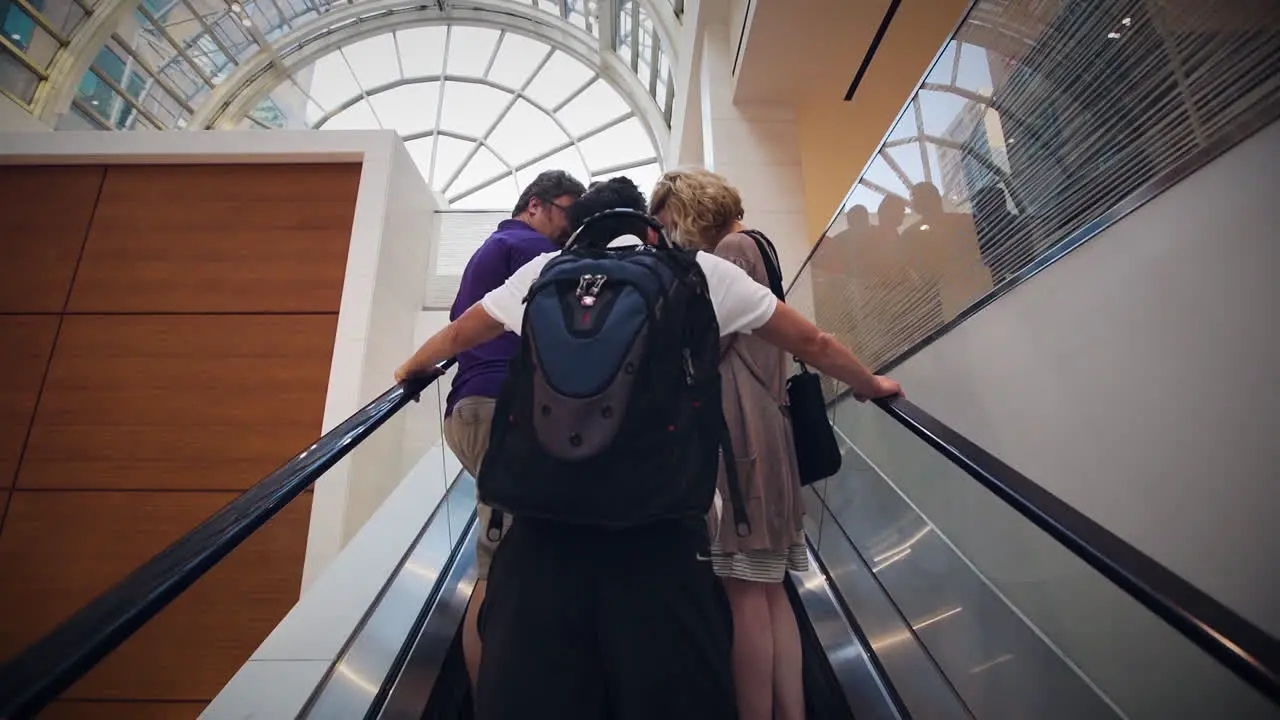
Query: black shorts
<point>580,624</point>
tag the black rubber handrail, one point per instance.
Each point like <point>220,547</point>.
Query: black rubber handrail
<point>44,670</point>
<point>1244,648</point>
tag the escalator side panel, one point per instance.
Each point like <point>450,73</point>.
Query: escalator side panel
<point>823,696</point>
<point>359,682</point>
<point>451,699</point>
<point>842,679</point>
<point>924,690</point>
<point>433,674</point>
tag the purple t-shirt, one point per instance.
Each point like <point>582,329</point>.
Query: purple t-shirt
<point>482,370</point>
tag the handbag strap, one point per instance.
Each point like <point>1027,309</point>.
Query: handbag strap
<point>773,269</point>
<point>769,254</point>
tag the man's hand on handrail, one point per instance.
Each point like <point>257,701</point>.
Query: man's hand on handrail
<point>882,387</point>
<point>425,374</point>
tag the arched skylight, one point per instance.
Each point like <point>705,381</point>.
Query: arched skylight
<point>482,111</point>
<point>167,57</point>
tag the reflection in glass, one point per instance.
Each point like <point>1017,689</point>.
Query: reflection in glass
<point>1036,119</point>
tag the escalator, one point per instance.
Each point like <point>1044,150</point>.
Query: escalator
<point>824,698</point>
<point>942,584</point>
<point>450,697</point>
<point>427,677</point>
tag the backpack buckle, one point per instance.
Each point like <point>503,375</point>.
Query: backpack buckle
<point>589,287</point>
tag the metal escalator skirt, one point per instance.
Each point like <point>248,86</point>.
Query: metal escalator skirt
<point>411,689</point>
<point>434,574</point>
<point>866,692</point>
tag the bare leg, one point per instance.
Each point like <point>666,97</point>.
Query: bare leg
<point>752,648</point>
<point>788,671</point>
<point>471,635</point>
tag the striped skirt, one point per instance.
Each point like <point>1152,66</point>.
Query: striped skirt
<point>760,565</point>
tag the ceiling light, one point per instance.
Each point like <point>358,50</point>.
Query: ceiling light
<point>1114,35</point>
<point>1127,22</point>
<point>246,22</point>
<point>237,7</point>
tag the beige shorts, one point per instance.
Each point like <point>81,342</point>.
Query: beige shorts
<point>466,430</point>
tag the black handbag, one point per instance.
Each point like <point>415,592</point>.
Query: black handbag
<point>817,452</point>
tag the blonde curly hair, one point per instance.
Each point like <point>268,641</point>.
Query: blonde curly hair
<point>703,206</point>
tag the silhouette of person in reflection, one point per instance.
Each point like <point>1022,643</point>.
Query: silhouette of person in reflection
<point>858,219</point>
<point>879,278</point>
<point>943,247</point>
<point>840,296</point>
<point>1004,239</point>
<point>852,240</point>
<point>890,216</point>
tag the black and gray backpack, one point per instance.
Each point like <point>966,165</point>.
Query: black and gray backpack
<point>611,416</point>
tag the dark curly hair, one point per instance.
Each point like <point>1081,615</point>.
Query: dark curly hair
<point>549,185</point>
<point>618,192</point>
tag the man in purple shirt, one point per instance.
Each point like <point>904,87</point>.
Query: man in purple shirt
<point>539,224</point>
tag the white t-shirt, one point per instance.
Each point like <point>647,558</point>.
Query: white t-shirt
<point>741,304</point>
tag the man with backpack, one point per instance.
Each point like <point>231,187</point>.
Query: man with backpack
<point>606,447</point>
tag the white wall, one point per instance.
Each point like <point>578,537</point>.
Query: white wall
<point>423,421</point>
<point>382,297</point>
<point>380,463</point>
<point>13,118</point>
<point>1136,378</point>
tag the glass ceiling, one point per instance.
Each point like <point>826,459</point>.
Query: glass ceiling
<point>482,111</point>
<point>165,58</point>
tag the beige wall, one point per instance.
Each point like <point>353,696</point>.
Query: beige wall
<point>837,138</point>
<point>784,110</point>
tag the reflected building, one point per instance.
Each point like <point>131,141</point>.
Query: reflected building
<point>973,153</point>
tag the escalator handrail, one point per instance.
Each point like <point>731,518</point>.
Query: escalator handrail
<point>1247,650</point>
<point>45,669</point>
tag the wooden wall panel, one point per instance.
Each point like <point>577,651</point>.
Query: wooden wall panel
<point>46,213</point>
<point>247,238</point>
<point>192,359</point>
<point>59,549</point>
<point>25,344</point>
<point>199,402</point>
<point>112,710</point>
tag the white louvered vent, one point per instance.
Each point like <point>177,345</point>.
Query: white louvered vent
<point>461,234</point>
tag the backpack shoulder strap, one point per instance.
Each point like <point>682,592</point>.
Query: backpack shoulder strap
<point>771,265</point>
